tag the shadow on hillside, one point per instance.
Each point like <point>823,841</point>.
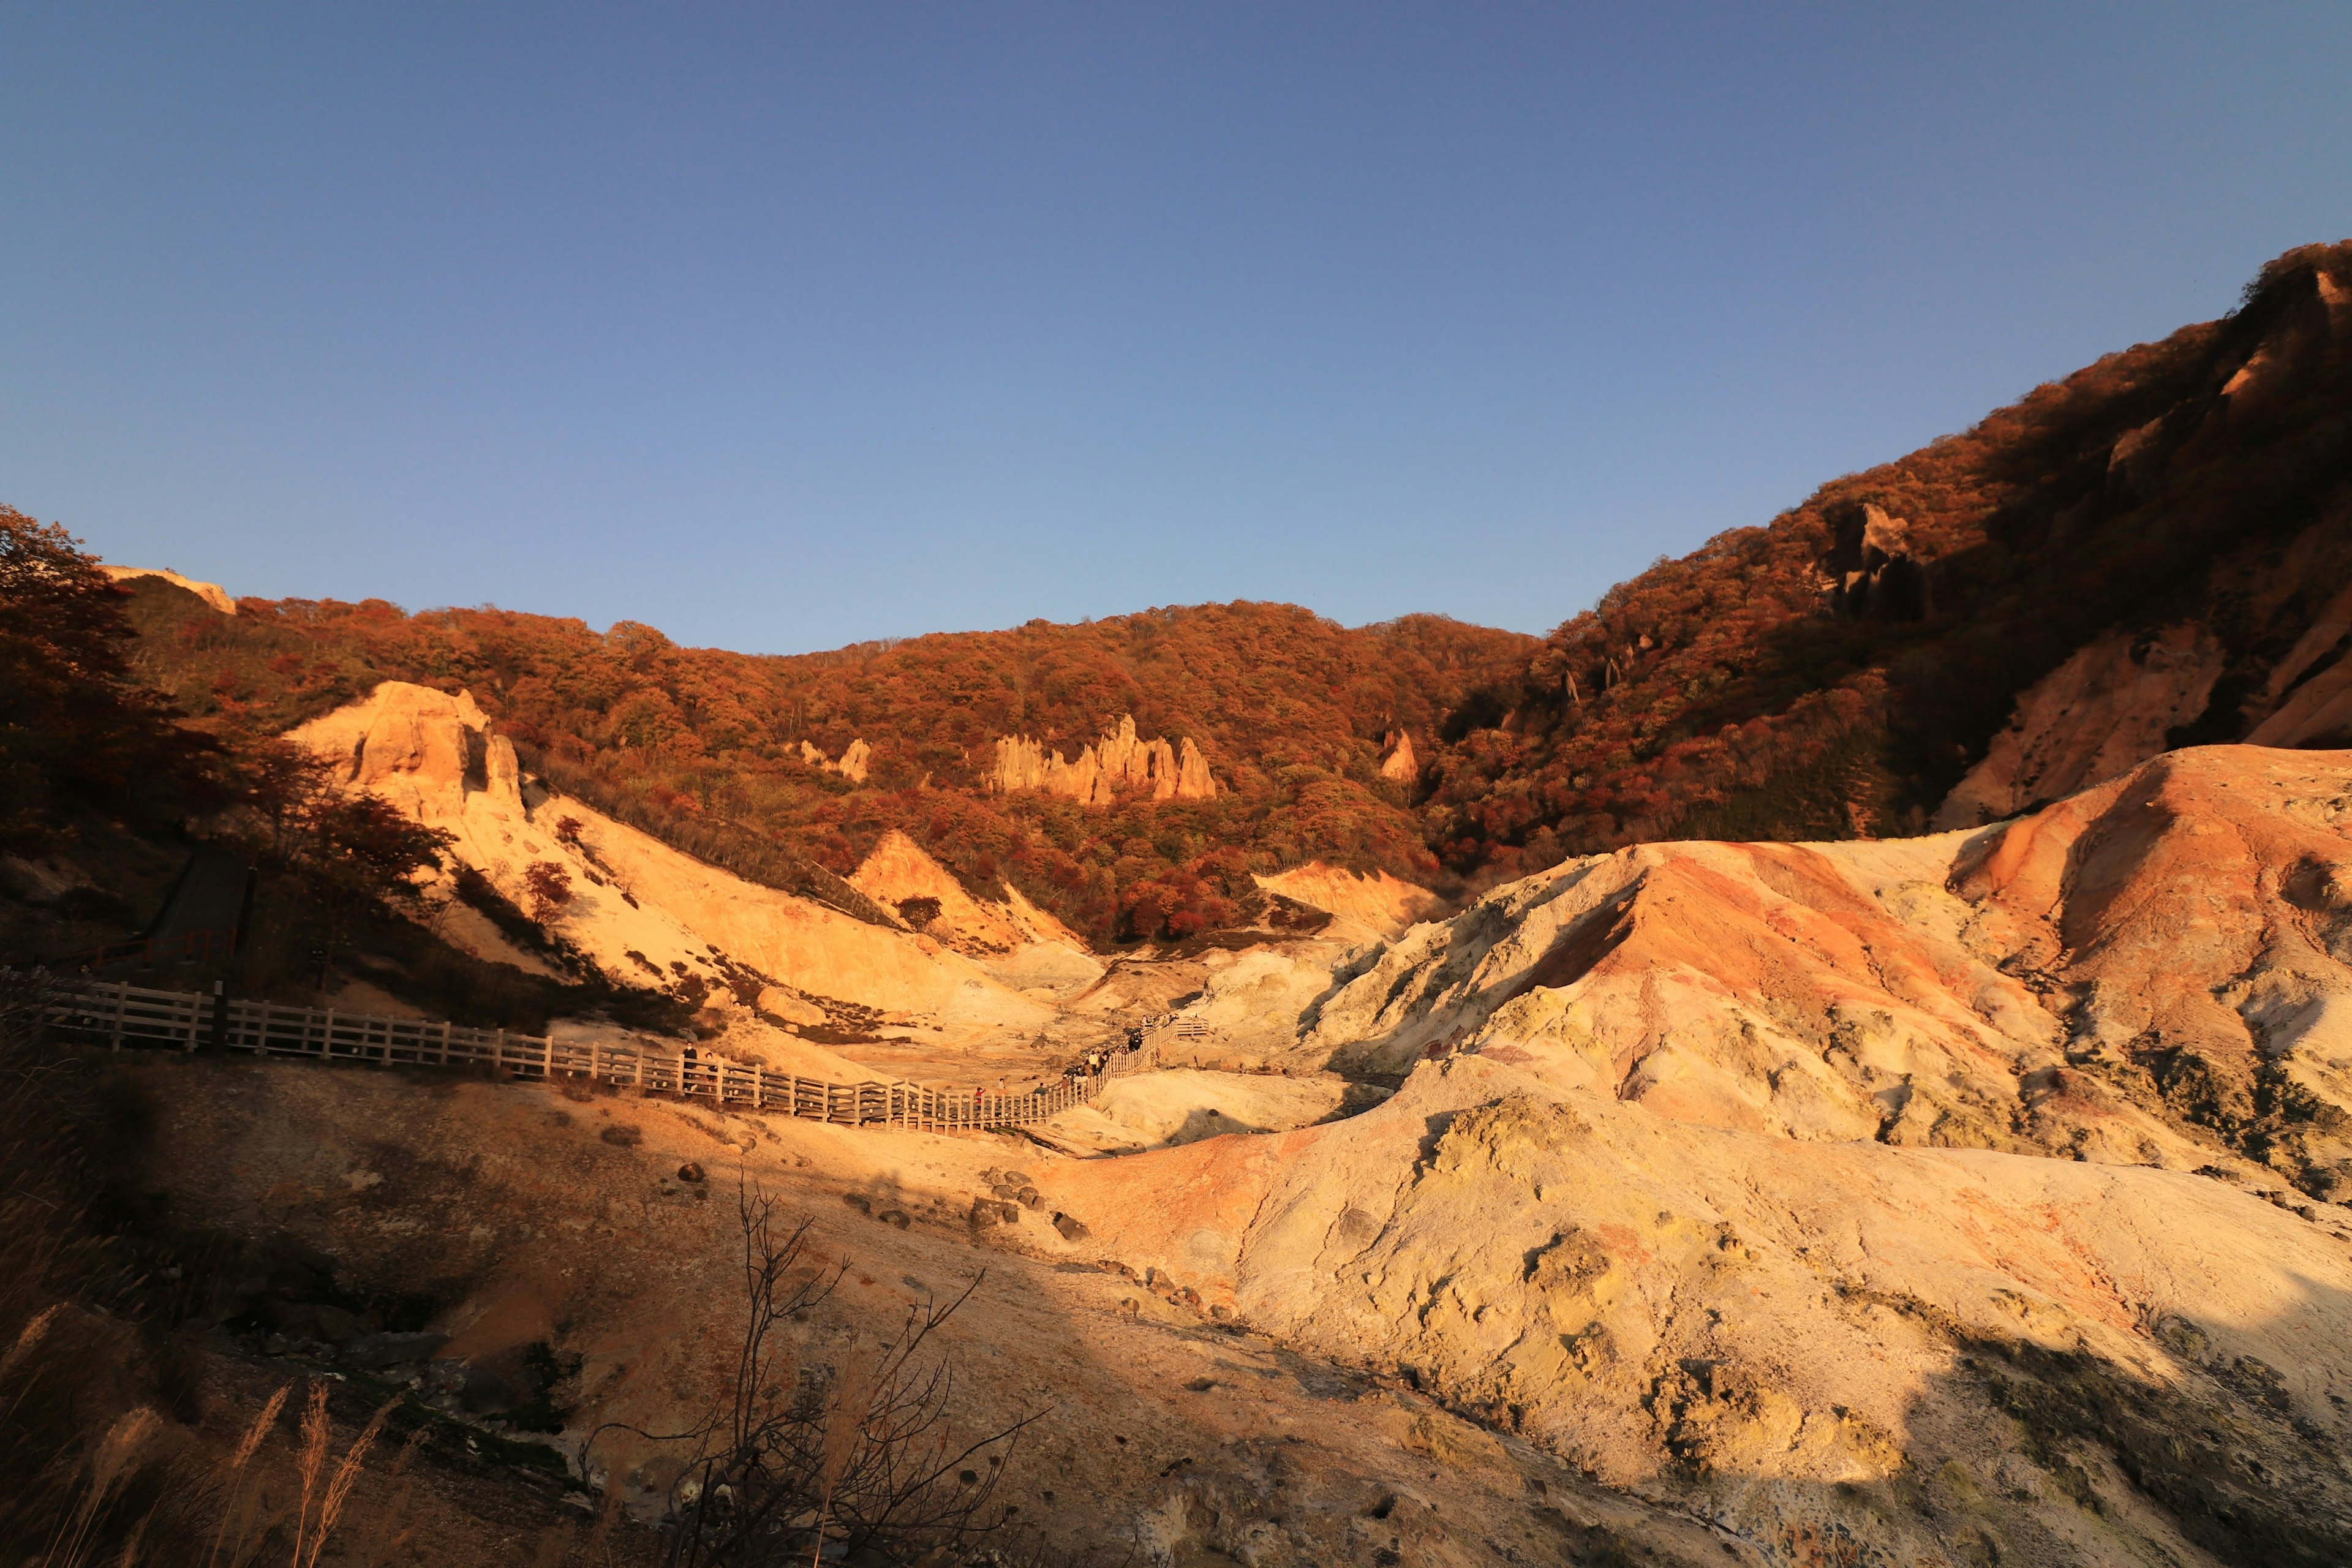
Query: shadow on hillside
<point>414,1194</point>
<point>2104,503</point>
<point>2223,1456</point>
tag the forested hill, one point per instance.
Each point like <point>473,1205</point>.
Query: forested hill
<point>1836,671</point>
<point>1830,674</point>
<point>706,747</point>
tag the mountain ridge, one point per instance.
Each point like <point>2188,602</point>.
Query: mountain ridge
<point>1835,672</point>
<point>1838,672</point>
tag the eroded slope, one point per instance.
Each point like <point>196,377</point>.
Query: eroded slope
<point>2151,973</point>
<point>1834,1352</point>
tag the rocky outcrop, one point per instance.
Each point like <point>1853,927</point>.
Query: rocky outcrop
<point>2158,972</point>
<point>2104,711</point>
<point>2258,658</point>
<point>1375,906</point>
<point>1122,764</point>
<point>852,765</point>
<point>1131,763</point>
<point>1192,779</point>
<point>422,749</point>
<point>897,875</point>
<point>2307,700</point>
<point>1399,766</point>
<point>1021,763</point>
<point>212,594</point>
<point>644,913</point>
<point>2311,322</point>
<point>1871,571</point>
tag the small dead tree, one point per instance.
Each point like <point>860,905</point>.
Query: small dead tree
<point>860,1458</point>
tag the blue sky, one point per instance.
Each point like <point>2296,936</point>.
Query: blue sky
<point>785,327</point>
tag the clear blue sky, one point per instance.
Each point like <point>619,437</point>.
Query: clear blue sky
<point>782,327</point>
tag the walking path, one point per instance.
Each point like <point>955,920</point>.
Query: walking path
<point>121,1015</point>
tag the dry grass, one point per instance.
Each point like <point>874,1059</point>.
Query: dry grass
<point>93,1468</point>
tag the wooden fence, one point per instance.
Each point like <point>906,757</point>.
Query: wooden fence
<point>124,1016</point>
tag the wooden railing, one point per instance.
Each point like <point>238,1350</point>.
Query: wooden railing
<point>121,1015</point>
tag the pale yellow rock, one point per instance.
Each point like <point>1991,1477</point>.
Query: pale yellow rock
<point>1039,926</point>
<point>644,913</point>
<point>1017,944</point>
<point>1158,1110</point>
<point>897,871</point>
<point>2015,987</point>
<point>1192,779</point>
<point>777,1002</point>
<point>1252,1005</point>
<point>1399,766</point>
<point>2101,713</point>
<point>1782,1336</point>
<point>853,764</point>
<point>212,594</point>
<point>1380,905</point>
<point>1120,763</point>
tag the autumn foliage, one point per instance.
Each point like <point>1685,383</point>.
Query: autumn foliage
<point>1741,692</point>
<point>1756,688</point>
<point>78,733</point>
<point>704,747</point>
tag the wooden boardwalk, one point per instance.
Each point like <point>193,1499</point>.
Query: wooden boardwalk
<point>121,1015</point>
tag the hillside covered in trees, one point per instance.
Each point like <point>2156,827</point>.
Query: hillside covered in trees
<point>1834,672</point>
<point>706,748</point>
<point>1829,674</point>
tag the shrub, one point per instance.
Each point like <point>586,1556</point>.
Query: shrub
<point>548,888</point>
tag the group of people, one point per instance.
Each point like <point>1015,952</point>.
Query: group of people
<point>1096,1063</point>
